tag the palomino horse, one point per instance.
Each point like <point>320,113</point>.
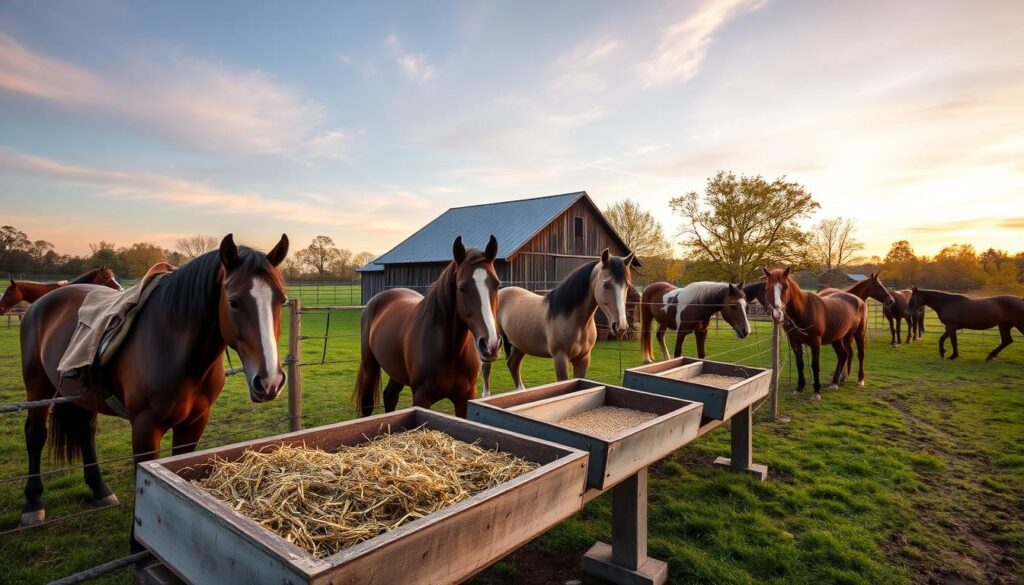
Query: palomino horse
<point>560,324</point>
<point>168,371</point>
<point>432,343</point>
<point>960,312</point>
<point>689,310</point>
<point>814,320</point>
<point>23,290</point>
<point>900,311</point>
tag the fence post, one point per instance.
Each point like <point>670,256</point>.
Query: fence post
<point>294,372</point>
<point>776,366</point>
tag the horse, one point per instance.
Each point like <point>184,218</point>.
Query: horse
<point>432,343</point>
<point>560,324</point>
<point>869,288</point>
<point>839,318</point>
<point>961,312</point>
<point>167,372</point>
<point>900,311</point>
<point>689,310</point>
<point>23,290</point>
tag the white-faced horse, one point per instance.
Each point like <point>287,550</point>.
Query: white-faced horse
<point>689,310</point>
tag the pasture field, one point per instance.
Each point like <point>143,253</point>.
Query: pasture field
<point>918,476</point>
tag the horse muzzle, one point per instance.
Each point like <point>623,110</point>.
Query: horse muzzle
<point>488,350</point>
<point>266,388</point>
<point>742,333</point>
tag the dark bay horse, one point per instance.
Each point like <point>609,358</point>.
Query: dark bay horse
<point>23,290</point>
<point>900,311</point>
<point>961,312</point>
<point>560,325</point>
<point>432,343</point>
<point>168,371</point>
<point>869,288</point>
<point>689,310</point>
<point>839,318</point>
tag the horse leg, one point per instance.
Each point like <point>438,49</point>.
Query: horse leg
<point>1007,339</point>
<point>942,343</point>
<point>701,335</point>
<point>816,366</point>
<point>919,319</point>
<point>367,382</point>
<point>798,353</point>
<point>561,366</point>
<point>861,337</point>
<point>393,390</point>
<point>580,366</point>
<point>841,356</point>
<point>661,341</point>
<point>953,342</point>
<point>515,362</point>
<point>35,439</point>
<point>895,332</point>
<point>146,436</point>
<point>186,435</point>
<point>680,336</point>
<point>848,346</point>
<point>101,494</point>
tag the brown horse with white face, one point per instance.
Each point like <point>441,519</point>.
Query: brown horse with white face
<point>838,318</point>
<point>432,343</point>
<point>961,312</point>
<point>689,310</point>
<point>168,371</point>
<point>560,324</point>
<point>30,292</point>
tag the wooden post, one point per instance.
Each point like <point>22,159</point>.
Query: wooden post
<point>626,560</point>
<point>742,446</point>
<point>294,372</point>
<point>776,368</point>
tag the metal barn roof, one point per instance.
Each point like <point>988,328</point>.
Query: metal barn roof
<point>513,223</point>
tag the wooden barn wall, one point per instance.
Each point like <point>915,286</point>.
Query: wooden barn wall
<point>417,277</point>
<point>544,260</point>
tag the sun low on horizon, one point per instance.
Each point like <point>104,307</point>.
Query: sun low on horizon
<point>130,123</point>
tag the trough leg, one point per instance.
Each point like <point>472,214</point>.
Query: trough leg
<point>741,427</point>
<point>626,561</point>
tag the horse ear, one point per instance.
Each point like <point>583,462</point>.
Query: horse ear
<point>491,251</point>
<point>914,288</point>
<point>605,256</point>
<point>740,285</point>
<point>785,273</point>
<point>628,260</point>
<point>276,256</point>
<point>732,288</point>
<point>458,250</point>
<point>766,273</point>
<point>878,274</point>
<point>229,253</point>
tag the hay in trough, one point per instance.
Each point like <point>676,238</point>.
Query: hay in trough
<point>325,502</point>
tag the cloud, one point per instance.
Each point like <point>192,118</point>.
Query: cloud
<point>985,223</point>
<point>205,106</point>
<point>684,45</point>
<point>581,69</point>
<point>415,66</point>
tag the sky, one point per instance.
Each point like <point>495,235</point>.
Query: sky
<point>152,121</point>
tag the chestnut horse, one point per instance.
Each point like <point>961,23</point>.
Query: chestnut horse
<point>961,312</point>
<point>689,310</point>
<point>432,343</point>
<point>869,288</point>
<point>168,371</point>
<point>898,312</point>
<point>22,290</point>
<point>839,318</point>
<point>560,324</point>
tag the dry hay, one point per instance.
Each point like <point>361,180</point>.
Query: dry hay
<point>325,502</point>
<point>606,421</point>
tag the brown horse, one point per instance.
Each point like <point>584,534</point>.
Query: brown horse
<point>560,324</point>
<point>23,290</point>
<point>839,318</point>
<point>869,288</point>
<point>432,343</point>
<point>960,312</point>
<point>898,312</point>
<point>169,369</point>
<point>689,310</point>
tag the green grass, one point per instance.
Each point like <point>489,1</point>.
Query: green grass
<point>919,475</point>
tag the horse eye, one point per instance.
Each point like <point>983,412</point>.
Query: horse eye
<point>233,304</point>
<point>462,288</point>
<point>607,286</point>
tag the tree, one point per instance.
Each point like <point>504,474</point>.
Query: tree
<point>319,256</point>
<point>362,258</point>
<point>955,267</point>
<point>342,265</point>
<point>140,257</point>
<point>831,247</point>
<point>197,245</point>
<point>740,224</point>
<point>638,229</point>
<point>14,249</point>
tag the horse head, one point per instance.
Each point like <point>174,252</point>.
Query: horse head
<point>734,310</point>
<point>12,296</point>
<point>879,292</point>
<point>476,295</point>
<point>252,294</point>
<point>916,302</point>
<point>105,277</point>
<point>777,291</point>
<point>611,281</point>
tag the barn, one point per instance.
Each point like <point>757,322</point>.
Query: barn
<point>540,241</point>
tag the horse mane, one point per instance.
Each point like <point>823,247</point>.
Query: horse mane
<point>85,277</point>
<point>194,289</point>
<point>753,291</point>
<point>699,293</point>
<point>439,302</point>
<point>942,293</point>
<point>569,294</point>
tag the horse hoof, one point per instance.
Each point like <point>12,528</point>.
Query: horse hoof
<point>107,500</point>
<point>34,517</point>
<point>832,387</point>
<point>816,397</point>
<point>860,383</point>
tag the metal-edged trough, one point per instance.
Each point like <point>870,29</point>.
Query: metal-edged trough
<point>203,540</point>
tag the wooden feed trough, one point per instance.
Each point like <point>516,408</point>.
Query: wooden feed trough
<point>618,462</point>
<point>676,378</point>
<point>203,540</point>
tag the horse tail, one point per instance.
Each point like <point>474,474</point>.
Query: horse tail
<point>69,425</point>
<point>367,393</point>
